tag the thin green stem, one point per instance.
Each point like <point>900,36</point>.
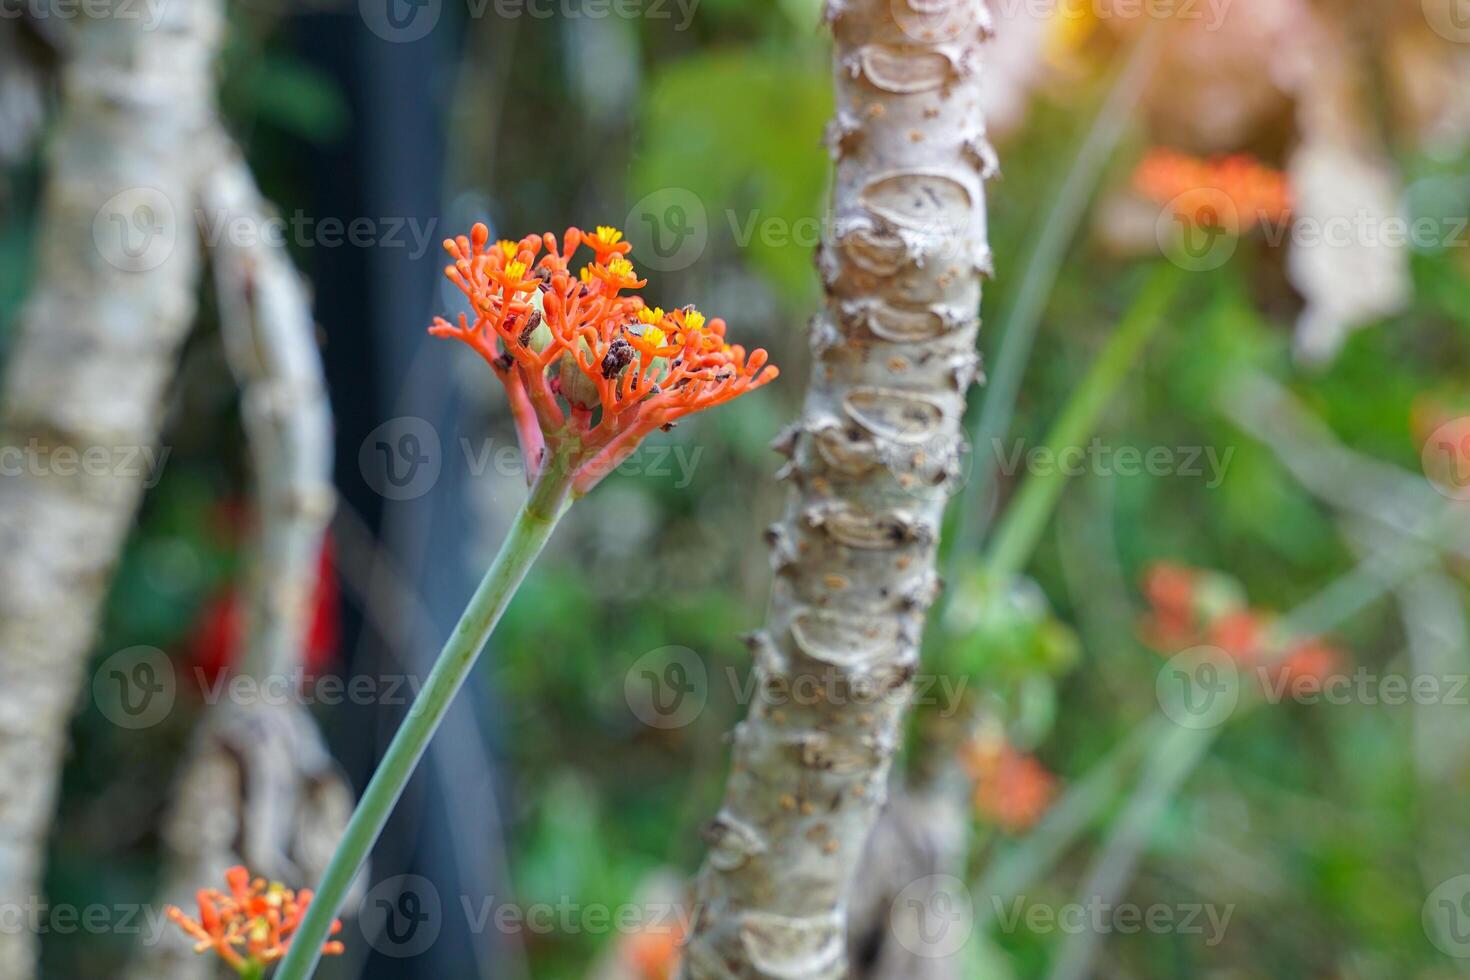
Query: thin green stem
<point>528,535</point>
<point>1028,514</point>
<point>1040,267</point>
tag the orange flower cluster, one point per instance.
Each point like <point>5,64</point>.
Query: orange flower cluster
<point>1012,789</point>
<point>1182,614</point>
<point>250,926</point>
<point>1196,189</point>
<point>589,368</point>
<point>653,954</point>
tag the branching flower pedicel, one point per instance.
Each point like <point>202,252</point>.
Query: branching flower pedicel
<point>251,925</point>
<point>590,369</point>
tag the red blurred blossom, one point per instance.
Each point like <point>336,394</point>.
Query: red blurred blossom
<point>653,953</point>
<point>1306,667</point>
<point>1241,633</point>
<point>1195,187</point>
<point>1170,590</point>
<point>215,643</point>
<point>1012,788</point>
<point>1175,622</point>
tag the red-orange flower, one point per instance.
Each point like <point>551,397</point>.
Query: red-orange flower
<point>1242,633</point>
<point>589,369</point>
<point>251,925</point>
<point>1197,189</point>
<point>1306,667</point>
<point>1170,590</point>
<point>653,953</point>
<point>1179,618</point>
<point>1012,788</point>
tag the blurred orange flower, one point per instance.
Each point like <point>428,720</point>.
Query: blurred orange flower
<point>1179,618</point>
<point>1306,667</point>
<point>653,954</point>
<point>1012,788</point>
<point>1204,192</point>
<point>250,926</point>
<point>1170,590</point>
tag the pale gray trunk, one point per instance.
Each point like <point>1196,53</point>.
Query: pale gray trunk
<point>259,786</point>
<point>94,352</point>
<point>873,458</point>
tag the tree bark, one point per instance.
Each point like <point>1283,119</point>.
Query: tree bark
<point>259,786</point>
<point>873,459</point>
<point>94,353</point>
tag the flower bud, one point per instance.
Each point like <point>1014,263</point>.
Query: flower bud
<point>576,386</point>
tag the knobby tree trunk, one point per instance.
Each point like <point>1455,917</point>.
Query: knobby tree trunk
<point>259,786</point>
<point>85,384</point>
<point>872,460</point>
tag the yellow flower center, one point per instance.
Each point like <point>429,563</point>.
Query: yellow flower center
<point>620,269</point>
<point>511,249</point>
<point>515,271</point>
<point>608,236</point>
<point>653,314</point>
<point>654,337</point>
<point>694,320</point>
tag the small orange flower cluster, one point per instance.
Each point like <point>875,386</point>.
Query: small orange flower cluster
<point>1012,789</point>
<point>1197,189</point>
<point>653,954</point>
<point>1185,611</point>
<point>585,339</point>
<point>251,925</point>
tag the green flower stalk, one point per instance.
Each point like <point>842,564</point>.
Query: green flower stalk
<point>590,370</point>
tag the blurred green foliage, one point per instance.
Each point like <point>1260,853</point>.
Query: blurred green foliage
<point>1306,818</point>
